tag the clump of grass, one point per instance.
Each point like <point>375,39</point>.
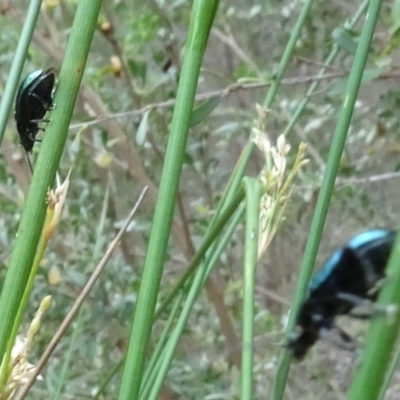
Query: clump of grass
<point>17,371</point>
<point>276,179</point>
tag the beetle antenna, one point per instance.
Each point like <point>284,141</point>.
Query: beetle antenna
<point>29,162</point>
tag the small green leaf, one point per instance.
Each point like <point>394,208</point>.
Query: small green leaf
<point>395,38</point>
<point>201,112</point>
<point>188,159</point>
<point>142,130</point>
<point>344,40</point>
<point>76,276</point>
<point>395,15</point>
<point>138,69</point>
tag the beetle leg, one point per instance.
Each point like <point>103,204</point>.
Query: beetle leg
<point>377,286</point>
<point>368,309</point>
<point>36,121</point>
<point>339,337</point>
<point>352,299</point>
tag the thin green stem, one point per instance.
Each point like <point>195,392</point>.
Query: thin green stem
<point>287,54</point>
<point>332,55</point>
<point>154,364</point>
<point>390,371</point>
<point>194,289</point>
<point>253,194</point>
<point>200,253</point>
<point>18,63</point>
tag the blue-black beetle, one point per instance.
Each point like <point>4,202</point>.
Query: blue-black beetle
<point>348,278</point>
<point>34,99</point>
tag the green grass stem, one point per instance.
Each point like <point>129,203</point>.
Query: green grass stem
<point>253,193</point>
<point>18,63</point>
<point>203,13</point>
<point>332,55</point>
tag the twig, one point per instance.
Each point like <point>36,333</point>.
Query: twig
<point>308,61</point>
<point>368,179</point>
<point>230,41</point>
<point>235,87</point>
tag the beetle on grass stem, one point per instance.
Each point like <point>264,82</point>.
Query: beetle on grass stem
<point>34,99</point>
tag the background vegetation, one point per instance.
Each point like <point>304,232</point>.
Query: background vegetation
<point>131,76</point>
